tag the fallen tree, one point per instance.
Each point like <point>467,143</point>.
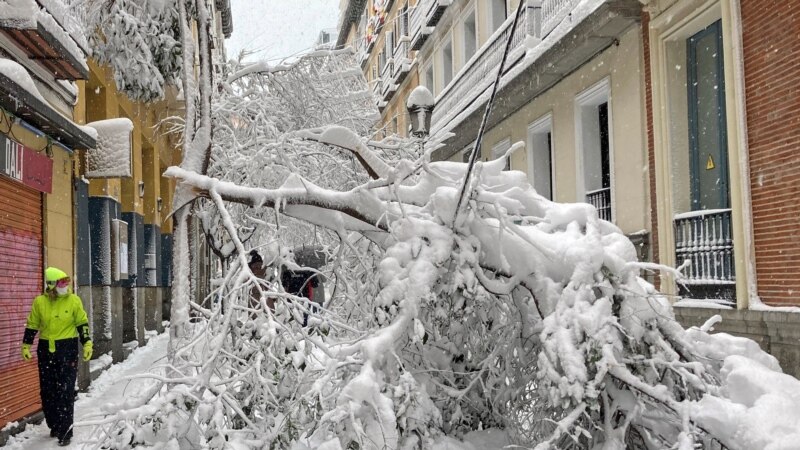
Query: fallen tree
<point>515,313</point>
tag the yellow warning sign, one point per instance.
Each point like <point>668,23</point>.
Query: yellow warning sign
<point>710,164</point>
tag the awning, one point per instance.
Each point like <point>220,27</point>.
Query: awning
<point>41,46</point>
<point>21,103</point>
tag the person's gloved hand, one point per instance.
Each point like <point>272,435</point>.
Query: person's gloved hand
<point>26,352</point>
<point>87,351</point>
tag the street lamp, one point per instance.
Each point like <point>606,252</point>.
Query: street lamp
<point>420,108</point>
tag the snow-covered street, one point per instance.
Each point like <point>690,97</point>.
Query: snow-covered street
<point>111,388</point>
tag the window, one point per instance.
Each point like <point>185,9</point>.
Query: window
<point>594,147</point>
<point>540,156</point>
<point>497,14</point>
<point>447,64</point>
<point>708,147</point>
<point>402,21</point>
<point>470,36</point>
<point>500,149</point>
<point>429,77</point>
<point>695,158</point>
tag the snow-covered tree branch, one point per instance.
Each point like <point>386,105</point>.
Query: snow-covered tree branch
<point>526,315</point>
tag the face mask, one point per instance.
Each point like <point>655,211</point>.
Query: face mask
<point>62,290</point>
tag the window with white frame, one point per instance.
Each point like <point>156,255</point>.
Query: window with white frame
<point>470,36</point>
<point>402,20</point>
<point>429,80</point>
<point>497,14</point>
<point>447,63</point>
<point>592,119</point>
<point>499,150</point>
<point>540,156</point>
<point>692,116</point>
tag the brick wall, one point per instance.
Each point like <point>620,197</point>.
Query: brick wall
<point>651,158</point>
<point>771,37</point>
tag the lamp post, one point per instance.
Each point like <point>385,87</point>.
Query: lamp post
<point>420,108</point>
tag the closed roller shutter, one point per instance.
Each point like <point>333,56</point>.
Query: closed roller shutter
<point>20,281</point>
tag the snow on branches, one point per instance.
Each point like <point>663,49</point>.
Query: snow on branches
<point>526,316</point>
<point>139,40</point>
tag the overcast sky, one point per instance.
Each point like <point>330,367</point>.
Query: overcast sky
<point>275,29</point>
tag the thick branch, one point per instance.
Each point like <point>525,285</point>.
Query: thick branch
<point>358,210</point>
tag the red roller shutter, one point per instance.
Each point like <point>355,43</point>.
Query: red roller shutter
<point>20,281</point>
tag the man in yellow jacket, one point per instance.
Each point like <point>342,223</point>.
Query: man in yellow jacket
<point>59,318</point>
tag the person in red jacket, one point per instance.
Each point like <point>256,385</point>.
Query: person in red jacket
<point>59,318</point>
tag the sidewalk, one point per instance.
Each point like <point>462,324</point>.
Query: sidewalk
<point>108,389</point>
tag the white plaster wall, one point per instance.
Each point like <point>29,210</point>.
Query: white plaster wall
<point>623,65</point>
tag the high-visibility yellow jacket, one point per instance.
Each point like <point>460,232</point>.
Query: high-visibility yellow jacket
<point>57,317</point>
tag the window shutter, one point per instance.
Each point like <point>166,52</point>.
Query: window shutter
<point>389,44</point>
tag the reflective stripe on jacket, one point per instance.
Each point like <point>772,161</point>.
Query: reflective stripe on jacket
<point>56,318</point>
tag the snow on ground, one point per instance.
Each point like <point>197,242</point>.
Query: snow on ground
<point>110,388</point>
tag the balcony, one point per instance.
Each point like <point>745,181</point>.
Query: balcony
<point>424,17</point>
<point>480,71</point>
<point>43,38</point>
<point>559,52</point>
<point>553,12</point>
<point>705,239</point>
<point>601,200</point>
<point>388,87</point>
<point>402,61</point>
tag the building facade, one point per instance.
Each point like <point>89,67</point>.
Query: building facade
<point>39,138</point>
<point>673,117</point>
<point>109,232</point>
<point>722,99</point>
<point>571,90</point>
<point>380,33</point>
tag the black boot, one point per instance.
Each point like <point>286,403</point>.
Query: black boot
<point>53,433</point>
<point>63,442</point>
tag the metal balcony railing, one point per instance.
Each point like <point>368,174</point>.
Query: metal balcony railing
<point>418,31</point>
<point>706,239</point>
<point>553,12</point>
<point>601,200</point>
<point>424,16</point>
<point>387,87</point>
<point>435,10</point>
<point>479,72</point>
<point>402,60</point>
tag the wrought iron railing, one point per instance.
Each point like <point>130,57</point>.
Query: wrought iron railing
<point>553,12</point>
<point>418,30</point>
<point>706,239</point>
<point>424,16</point>
<point>601,200</point>
<point>479,72</point>
<point>387,86</point>
<point>402,62</point>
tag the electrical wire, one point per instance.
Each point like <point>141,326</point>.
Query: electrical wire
<point>476,148</point>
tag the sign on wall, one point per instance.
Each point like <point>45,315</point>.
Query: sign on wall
<point>119,250</point>
<point>25,165</point>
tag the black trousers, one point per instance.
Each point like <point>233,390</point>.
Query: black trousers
<point>57,373</point>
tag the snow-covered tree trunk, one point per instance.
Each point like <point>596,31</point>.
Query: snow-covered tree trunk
<point>197,136</point>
